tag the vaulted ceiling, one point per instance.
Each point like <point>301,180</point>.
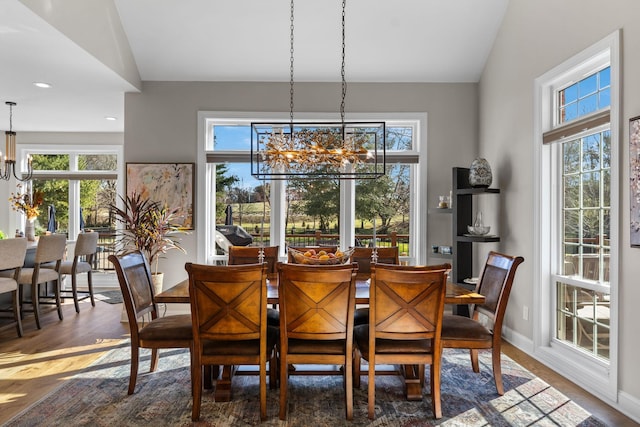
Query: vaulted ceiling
<point>221,40</point>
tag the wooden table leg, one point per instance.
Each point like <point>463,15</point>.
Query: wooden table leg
<point>211,373</point>
<point>413,381</point>
<point>223,385</point>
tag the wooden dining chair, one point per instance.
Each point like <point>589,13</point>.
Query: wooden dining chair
<point>458,331</point>
<point>156,332</point>
<point>12,254</point>
<point>84,252</point>
<point>362,257</point>
<point>240,255</point>
<point>316,322</point>
<point>49,254</point>
<point>229,315</point>
<point>406,307</point>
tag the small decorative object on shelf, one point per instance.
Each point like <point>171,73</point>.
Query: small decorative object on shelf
<point>480,173</point>
<point>478,228</point>
<point>444,202</point>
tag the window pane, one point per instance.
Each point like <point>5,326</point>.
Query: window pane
<point>604,98</point>
<point>571,261</point>
<point>587,96</point>
<point>228,137</point>
<point>571,226</point>
<point>569,112</point>
<point>570,94</point>
<point>587,86</point>
<point>56,195</point>
<point>387,199</point>
<point>313,211</point>
<point>591,190</point>
<point>591,152</point>
<point>399,138</point>
<point>591,226</point>
<point>95,198</point>
<point>572,191</point>
<point>605,78</point>
<point>97,162</point>
<point>606,149</point>
<point>588,105</point>
<point>50,162</point>
<point>606,184</point>
<point>571,154</point>
<point>242,201</point>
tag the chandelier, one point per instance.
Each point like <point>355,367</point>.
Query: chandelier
<point>342,150</point>
<point>8,162</point>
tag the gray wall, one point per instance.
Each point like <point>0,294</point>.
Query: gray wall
<point>535,37</point>
<point>161,126</point>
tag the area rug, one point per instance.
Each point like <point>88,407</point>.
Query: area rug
<point>98,397</point>
<point>111,297</point>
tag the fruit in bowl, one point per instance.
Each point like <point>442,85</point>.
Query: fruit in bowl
<point>321,257</point>
<point>478,230</point>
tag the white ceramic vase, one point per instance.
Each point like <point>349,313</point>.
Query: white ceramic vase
<point>30,229</point>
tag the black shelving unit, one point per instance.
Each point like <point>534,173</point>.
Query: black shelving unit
<point>462,216</point>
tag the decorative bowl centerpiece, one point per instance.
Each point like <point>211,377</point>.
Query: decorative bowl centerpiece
<point>478,230</point>
<point>321,257</point>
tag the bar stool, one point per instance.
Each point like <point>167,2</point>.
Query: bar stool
<point>86,247</point>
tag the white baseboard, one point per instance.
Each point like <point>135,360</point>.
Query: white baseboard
<point>629,405</point>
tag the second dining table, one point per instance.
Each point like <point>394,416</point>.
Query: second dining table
<point>455,294</point>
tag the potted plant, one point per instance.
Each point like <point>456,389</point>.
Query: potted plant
<point>149,227</point>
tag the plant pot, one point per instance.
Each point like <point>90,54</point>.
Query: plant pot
<point>156,280</point>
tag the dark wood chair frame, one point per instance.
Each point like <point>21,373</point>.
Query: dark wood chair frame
<point>227,330</point>
<point>412,302</point>
<point>134,277</point>
<point>317,303</point>
<point>362,257</point>
<point>458,331</point>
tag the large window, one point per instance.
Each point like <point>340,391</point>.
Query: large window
<point>311,212</point>
<point>577,224</point>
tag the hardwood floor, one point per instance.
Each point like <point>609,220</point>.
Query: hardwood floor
<point>34,365</point>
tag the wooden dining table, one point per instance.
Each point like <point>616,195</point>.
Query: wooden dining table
<point>455,294</point>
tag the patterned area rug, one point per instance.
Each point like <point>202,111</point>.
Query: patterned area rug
<point>111,297</point>
<point>98,397</point>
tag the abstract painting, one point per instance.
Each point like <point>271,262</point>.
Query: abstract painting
<point>169,184</point>
<point>634,179</point>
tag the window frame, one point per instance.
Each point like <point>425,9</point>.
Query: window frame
<point>73,175</point>
<point>589,372</point>
<point>206,176</point>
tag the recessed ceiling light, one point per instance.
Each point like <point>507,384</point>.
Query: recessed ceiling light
<point>42,85</point>
<point>110,118</point>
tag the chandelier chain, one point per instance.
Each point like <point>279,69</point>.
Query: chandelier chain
<point>291,65</point>
<point>342,67</point>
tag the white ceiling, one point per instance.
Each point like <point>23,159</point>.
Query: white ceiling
<point>240,40</point>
